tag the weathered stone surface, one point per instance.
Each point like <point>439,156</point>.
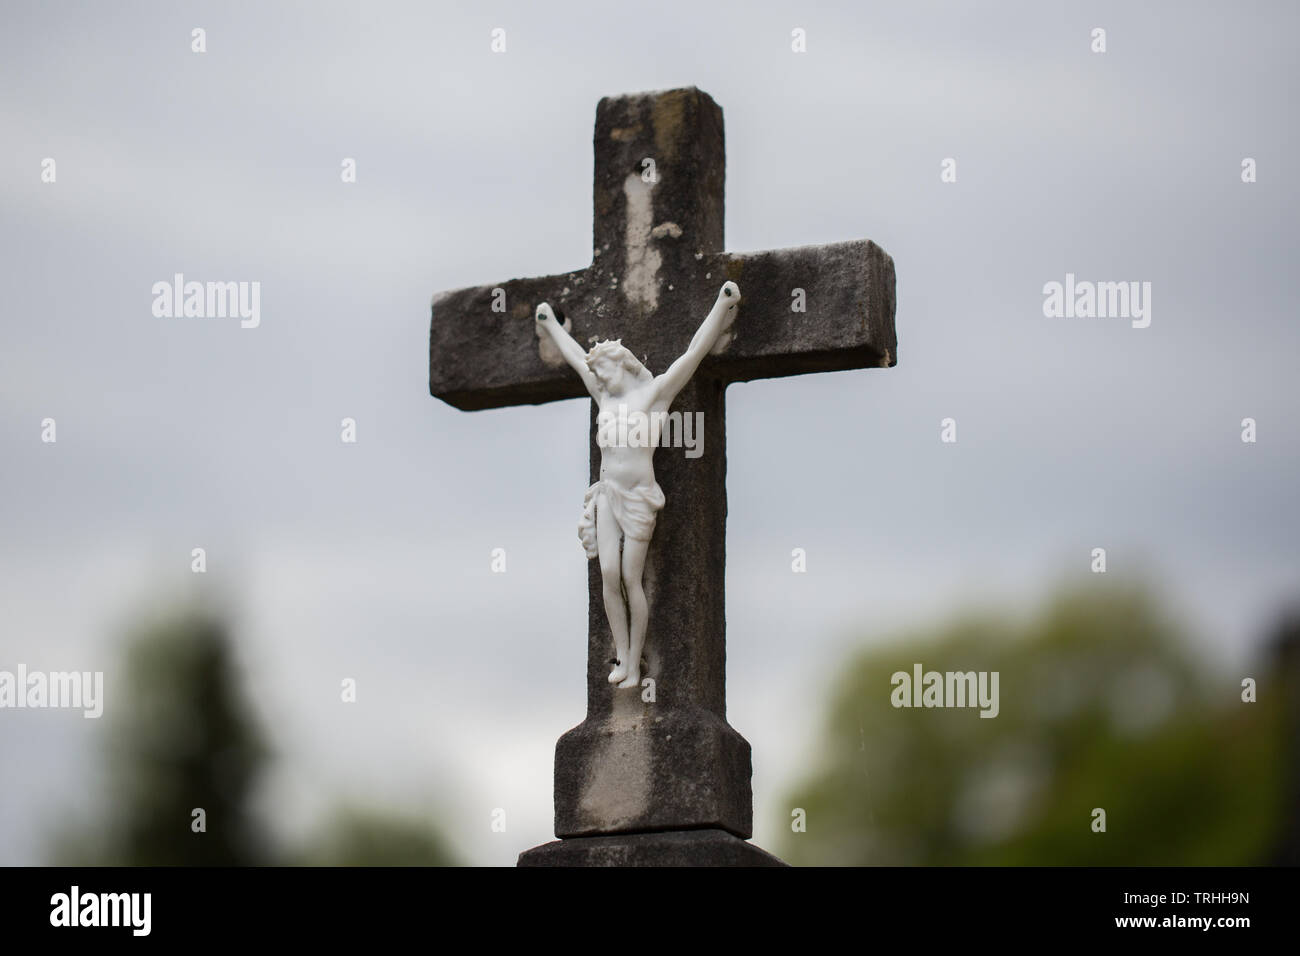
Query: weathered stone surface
<point>849,322</point>
<point>681,132</point>
<point>678,848</point>
<point>652,768</point>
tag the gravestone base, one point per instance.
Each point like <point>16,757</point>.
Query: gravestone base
<point>669,848</point>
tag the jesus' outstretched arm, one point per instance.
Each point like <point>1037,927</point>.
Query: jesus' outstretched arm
<point>718,321</point>
<point>571,350</point>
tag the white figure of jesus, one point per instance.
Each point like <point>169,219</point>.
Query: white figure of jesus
<point>619,510</point>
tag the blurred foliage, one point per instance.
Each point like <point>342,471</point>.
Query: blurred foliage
<point>358,837</point>
<point>1101,705</point>
<point>183,738</point>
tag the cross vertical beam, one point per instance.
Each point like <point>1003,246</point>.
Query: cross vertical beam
<point>672,762</point>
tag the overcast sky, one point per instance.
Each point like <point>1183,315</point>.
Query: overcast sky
<point>371,560</point>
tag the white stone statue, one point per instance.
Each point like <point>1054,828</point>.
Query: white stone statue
<point>624,503</point>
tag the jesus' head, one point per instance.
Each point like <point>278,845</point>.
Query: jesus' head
<point>612,363</point>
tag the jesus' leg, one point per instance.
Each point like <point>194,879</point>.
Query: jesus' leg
<point>608,534</point>
<point>634,553</point>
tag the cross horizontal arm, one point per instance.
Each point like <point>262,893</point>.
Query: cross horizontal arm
<point>480,358</point>
<point>807,309</point>
<point>847,322</point>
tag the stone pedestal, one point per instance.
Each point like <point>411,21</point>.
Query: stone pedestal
<point>677,770</point>
<point>675,848</point>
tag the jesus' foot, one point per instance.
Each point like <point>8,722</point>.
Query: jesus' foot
<point>633,679</point>
<point>618,673</point>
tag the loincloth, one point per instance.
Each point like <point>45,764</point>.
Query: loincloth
<point>635,510</point>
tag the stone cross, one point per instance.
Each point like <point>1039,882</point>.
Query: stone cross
<point>658,775</point>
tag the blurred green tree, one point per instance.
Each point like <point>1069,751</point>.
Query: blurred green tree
<point>182,739</point>
<point>1101,706</point>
